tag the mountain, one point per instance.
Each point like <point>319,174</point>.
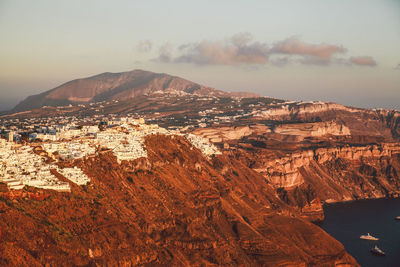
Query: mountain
<point>117,86</point>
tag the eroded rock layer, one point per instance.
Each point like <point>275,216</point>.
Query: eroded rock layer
<point>310,170</point>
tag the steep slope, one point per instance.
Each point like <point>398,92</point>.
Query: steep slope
<point>117,86</point>
<point>361,122</point>
<point>331,174</point>
<point>314,152</point>
<point>174,208</point>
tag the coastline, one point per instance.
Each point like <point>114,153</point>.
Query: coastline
<point>346,221</point>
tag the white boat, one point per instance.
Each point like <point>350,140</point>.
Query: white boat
<point>377,251</point>
<point>369,237</point>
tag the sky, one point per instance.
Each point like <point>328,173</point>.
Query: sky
<point>344,51</point>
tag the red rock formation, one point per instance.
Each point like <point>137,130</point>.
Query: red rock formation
<point>331,173</point>
<point>174,208</point>
<point>21,194</point>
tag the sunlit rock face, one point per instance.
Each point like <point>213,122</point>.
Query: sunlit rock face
<point>299,109</point>
<point>315,152</point>
<point>285,171</point>
<point>313,129</point>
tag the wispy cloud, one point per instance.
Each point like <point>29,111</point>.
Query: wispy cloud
<point>239,49</point>
<point>293,46</point>
<point>363,61</point>
<point>144,46</point>
<point>313,60</point>
<point>165,53</point>
<point>280,61</point>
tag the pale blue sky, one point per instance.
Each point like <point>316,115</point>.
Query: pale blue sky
<point>46,43</point>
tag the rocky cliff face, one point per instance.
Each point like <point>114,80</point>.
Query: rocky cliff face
<point>174,208</point>
<point>291,110</point>
<point>392,120</point>
<point>314,152</point>
<point>288,171</point>
<point>324,170</point>
<point>277,169</point>
<point>357,121</point>
<point>317,129</point>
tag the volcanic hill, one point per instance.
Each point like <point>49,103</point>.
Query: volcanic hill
<point>118,86</point>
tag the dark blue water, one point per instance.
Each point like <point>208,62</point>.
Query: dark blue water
<point>347,221</point>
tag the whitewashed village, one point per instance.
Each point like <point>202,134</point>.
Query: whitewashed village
<point>20,166</point>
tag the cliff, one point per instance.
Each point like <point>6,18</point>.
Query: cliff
<point>174,208</point>
<point>317,129</point>
<point>314,152</point>
<point>358,121</point>
<point>329,174</point>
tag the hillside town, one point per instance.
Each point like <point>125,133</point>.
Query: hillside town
<point>31,156</point>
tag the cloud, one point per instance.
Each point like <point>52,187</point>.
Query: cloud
<point>241,49</point>
<point>165,54</point>
<point>312,60</point>
<point>293,46</point>
<point>280,61</point>
<point>363,61</point>
<point>235,51</point>
<point>242,38</point>
<point>144,46</point>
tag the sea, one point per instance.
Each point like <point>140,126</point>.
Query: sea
<point>347,221</point>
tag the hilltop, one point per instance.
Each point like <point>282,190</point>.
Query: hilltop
<point>118,86</point>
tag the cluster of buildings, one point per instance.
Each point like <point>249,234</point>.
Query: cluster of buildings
<point>207,148</point>
<point>20,165</point>
<point>53,128</point>
<point>69,150</point>
<point>125,146</point>
<point>75,175</point>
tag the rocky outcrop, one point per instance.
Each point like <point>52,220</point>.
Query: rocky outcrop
<point>284,171</point>
<point>289,110</point>
<point>331,174</point>
<point>298,131</point>
<point>357,152</point>
<point>384,123</point>
<point>174,208</point>
<point>317,129</point>
<point>223,134</point>
<point>391,118</point>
